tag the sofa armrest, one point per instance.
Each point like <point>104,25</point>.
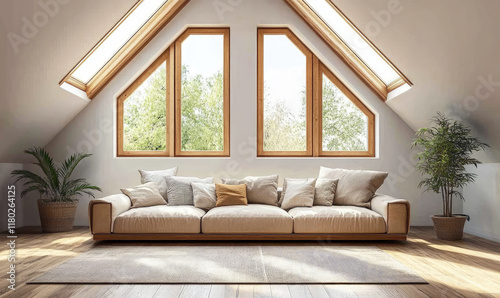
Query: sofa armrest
<point>396,213</point>
<point>102,212</point>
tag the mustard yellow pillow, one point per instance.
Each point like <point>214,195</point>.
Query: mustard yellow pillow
<point>228,195</point>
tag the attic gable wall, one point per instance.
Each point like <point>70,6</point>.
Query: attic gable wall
<point>94,128</point>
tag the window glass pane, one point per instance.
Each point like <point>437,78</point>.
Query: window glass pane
<point>353,40</point>
<point>116,40</point>
<point>285,79</point>
<point>202,94</point>
<point>345,126</point>
<point>144,115</point>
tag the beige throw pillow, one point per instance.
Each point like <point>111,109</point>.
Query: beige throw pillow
<point>204,196</point>
<point>158,177</point>
<point>324,190</point>
<point>260,190</point>
<point>324,193</point>
<point>298,193</point>
<point>355,187</point>
<point>144,195</point>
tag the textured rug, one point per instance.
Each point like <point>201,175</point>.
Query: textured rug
<point>258,264</point>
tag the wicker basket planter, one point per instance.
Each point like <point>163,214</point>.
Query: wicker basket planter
<point>57,216</point>
<point>449,228</point>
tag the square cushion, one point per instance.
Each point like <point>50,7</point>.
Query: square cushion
<point>228,195</point>
<point>160,220</point>
<point>324,193</point>
<point>324,190</point>
<point>179,190</point>
<point>297,193</point>
<point>355,187</point>
<point>260,190</point>
<point>158,177</point>
<point>204,196</point>
<point>336,220</point>
<point>250,219</point>
<point>144,195</point>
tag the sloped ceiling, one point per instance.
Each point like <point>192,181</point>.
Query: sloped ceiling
<point>446,48</point>
<point>33,106</point>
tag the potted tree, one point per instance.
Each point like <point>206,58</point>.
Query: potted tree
<point>58,202</point>
<point>447,148</point>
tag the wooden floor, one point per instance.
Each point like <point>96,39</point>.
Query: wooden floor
<point>467,268</point>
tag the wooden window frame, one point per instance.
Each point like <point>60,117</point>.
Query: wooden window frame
<point>260,97</point>
<point>321,70</point>
<point>128,51</point>
<point>359,67</point>
<point>178,92</point>
<point>172,57</point>
<point>163,58</point>
<point>315,71</point>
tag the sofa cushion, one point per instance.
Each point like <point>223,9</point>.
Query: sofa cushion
<point>336,220</point>
<point>144,195</point>
<point>260,190</point>
<point>179,190</point>
<point>160,219</point>
<point>250,219</point>
<point>324,193</point>
<point>229,195</point>
<point>204,196</point>
<point>297,193</point>
<point>158,177</point>
<point>355,187</point>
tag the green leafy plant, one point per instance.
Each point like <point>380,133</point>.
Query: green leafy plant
<point>56,186</point>
<point>446,148</point>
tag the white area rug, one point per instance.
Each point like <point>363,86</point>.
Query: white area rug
<point>257,264</point>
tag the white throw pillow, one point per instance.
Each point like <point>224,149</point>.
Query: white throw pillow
<point>260,190</point>
<point>324,190</point>
<point>298,193</point>
<point>144,195</point>
<point>204,196</point>
<point>158,177</point>
<point>283,190</point>
<point>179,190</point>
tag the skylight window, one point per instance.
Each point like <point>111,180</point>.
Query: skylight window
<point>120,45</point>
<point>115,41</point>
<point>338,24</point>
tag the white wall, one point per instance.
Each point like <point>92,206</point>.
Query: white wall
<point>482,202</point>
<point>93,129</point>
<point>5,181</point>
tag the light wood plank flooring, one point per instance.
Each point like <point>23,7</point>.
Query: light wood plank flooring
<point>467,268</point>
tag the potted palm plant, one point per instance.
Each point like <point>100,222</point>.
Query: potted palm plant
<point>58,202</point>
<point>447,148</point>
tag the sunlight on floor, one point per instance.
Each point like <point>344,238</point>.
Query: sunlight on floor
<point>473,253</point>
<point>414,240</point>
<point>447,277</point>
<point>70,240</point>
<point>40,252</point>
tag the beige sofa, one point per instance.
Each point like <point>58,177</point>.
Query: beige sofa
<point>112,218</point>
